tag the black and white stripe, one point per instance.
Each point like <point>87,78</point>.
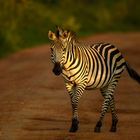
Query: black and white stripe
<point>88,66</point>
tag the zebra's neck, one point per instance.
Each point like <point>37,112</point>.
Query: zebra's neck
<point>71,56</point>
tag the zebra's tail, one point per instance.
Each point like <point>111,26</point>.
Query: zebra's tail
<point>133,74</point>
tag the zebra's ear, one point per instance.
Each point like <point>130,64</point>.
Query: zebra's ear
<point>51,35</point>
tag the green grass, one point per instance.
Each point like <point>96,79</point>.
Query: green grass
<point>25,23</point>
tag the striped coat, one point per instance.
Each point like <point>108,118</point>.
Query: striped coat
<point>88,66</point>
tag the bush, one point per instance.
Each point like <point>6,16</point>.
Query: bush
<point>25,23</point>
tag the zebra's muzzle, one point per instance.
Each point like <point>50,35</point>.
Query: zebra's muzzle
<point>57,70</point>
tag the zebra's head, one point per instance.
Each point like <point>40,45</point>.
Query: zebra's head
<point>60,43</point>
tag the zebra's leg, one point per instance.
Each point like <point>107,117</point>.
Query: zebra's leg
<point>112,103</point>
<point>71,88</point>
<point>75,92</point>
<point>107,97</point>
<point>75,122</point>
<point>114,115</point>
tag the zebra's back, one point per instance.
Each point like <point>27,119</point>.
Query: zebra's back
<point>107,63</point>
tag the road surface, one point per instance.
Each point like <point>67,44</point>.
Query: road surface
<point>34,104</point>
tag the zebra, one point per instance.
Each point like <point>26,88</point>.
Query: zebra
<point>88,66</point>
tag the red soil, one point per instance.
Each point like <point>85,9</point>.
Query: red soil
<point>34,104</point>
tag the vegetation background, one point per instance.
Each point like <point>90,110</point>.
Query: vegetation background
<point>25,23</point>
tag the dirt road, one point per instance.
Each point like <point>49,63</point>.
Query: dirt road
<point>34,104</point>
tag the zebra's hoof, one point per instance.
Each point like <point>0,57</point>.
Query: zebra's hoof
<point>114,126</point>
<point>113,129</point>
<point>98,127</point>
<point>74,126</point>
<point>97,130</point>
<point>73,129</point>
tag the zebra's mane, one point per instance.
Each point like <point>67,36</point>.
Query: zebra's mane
<point>73,35</point>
